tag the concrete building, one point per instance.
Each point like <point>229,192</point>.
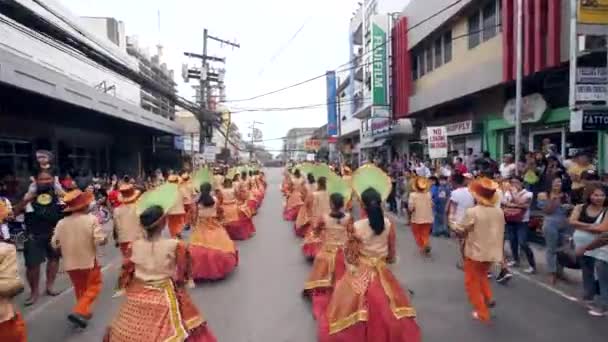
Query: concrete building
<point>368,124</point>
<point>294,144</point>
<point>154,68</point>
<point>56,98</point>
<point>463,68</point>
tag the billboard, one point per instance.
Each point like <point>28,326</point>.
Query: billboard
<point>312,145</point>
<point>332,112</point>
<point>379,49</point>
<point>593,12</point>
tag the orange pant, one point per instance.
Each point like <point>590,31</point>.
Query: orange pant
<point>87,285</point>
<point>176,224</point>
<point>13,330</point>
<point>477,286</point>
<point>422,234</point>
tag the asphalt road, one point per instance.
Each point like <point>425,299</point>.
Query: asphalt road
<point>261,301</point>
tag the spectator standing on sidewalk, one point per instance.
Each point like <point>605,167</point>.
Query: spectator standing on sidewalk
<point>589,221</point>
<point>440,192</point>
<point>42,212</point>
<point>517,202</point>
<point>555,204</point>
<point>507,167</point>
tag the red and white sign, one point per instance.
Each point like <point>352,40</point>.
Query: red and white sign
<point>438,142</point>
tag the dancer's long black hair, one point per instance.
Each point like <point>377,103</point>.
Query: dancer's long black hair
<point>206,199</point>
<point>373,205</point>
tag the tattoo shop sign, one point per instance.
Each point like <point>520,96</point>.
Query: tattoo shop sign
<point>438,142</point>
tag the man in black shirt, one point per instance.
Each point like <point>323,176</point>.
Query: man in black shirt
<point>42,212</point>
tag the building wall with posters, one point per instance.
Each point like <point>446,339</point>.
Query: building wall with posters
<point>471,79</point>
<point>294,145</point>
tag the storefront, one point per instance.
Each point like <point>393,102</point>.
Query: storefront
<point>540,126</point>
<point>462,135</point>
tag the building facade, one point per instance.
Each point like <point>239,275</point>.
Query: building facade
<point>56,98</point>
<point>154,68</point>
<point>294,144</point>
<point>462,72</point>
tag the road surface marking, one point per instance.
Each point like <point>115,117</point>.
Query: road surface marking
<point>39,309</point>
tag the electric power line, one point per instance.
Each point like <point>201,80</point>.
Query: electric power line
<point>386,41</point>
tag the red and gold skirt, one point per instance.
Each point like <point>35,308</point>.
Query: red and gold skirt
<point>312,244</point>
<point>369,305</point>
<point>329,266</point>
<point>212,252</point>
<point>158,311</point>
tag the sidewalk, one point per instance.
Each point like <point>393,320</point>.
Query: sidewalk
<point>570,289</point>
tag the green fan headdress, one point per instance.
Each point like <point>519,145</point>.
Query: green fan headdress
<point>306,168</point>
<point>201,177</point>
<point>165,196</point>
<point>336,184</point>
<point>231,173</point>
<point>370,176</point>
<point>322,170</point>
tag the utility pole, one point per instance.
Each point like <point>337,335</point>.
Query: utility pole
<point>518,81</point>
<point>252,152</point>
<point>206,77</point>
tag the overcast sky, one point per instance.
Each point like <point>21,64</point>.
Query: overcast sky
<point>267,60</point>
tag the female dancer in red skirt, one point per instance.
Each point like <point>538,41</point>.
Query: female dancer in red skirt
<point>157,305</point>
<point>368,304</point>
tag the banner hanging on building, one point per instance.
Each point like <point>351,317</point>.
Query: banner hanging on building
<point>332,99</point>
<point>312,145</point>
<point>379,60</point>
<point>438,142</point>
<point>593,12</point>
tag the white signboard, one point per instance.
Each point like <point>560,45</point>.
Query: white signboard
<point>533,108</point>
<point>456,128</point>
<point>591,92</point>
<point>438,142</point>
<point>209,153</point>
<point>310,157</point>
<point>591,75</point>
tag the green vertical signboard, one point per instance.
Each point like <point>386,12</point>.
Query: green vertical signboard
<point>379,62</point>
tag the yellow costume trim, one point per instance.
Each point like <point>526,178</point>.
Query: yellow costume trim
<point>352,319</point>
<point>380,265</point>
<point>174,315</point>
<point>311,285</point>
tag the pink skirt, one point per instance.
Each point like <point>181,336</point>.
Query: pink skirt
<point>291,214</point>
<point>310,249</point>
<point>212,264</point>
<point>242,229</point>
<point>381,325</point>
<point>301,231</point>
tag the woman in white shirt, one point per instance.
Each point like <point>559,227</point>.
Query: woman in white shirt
<point>517,225</point>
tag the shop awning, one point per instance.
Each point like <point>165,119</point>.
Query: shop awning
<point>373,144</point>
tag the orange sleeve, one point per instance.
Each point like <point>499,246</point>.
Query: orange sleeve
<point>184,264</point>
<point>352,249</point>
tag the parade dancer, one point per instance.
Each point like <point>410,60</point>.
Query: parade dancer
<point>483,229</point>
<point>420,207</point>
<point>368,303</point>
<point>176,218</point>
<point>329,264</point>
<point>12,325</point>
<point>214,254</point>
<point>189,192</point>
<point>77,236</point>
<point>320,207</point>
<point>126,228</point>
<point>303,220</point>
<point>235,218</point>
<point>157,305</point>
<point>295,197</point>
